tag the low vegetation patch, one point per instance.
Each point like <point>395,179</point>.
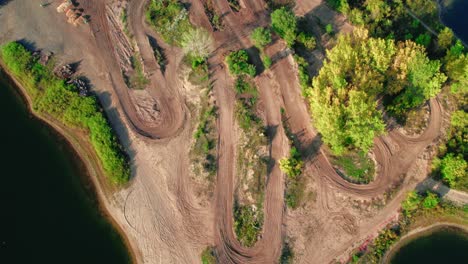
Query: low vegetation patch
<point>292,167</point>
<point>248,224</point>
<point>204,148</point>
<point>252,162</point>
<point>54,97</point>
<point>355,166</point>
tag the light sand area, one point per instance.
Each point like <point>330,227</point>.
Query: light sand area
<point>154,210</point>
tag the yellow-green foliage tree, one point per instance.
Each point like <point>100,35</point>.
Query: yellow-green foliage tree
<point>357,72</point>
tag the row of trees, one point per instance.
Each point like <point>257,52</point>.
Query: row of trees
<point>358,71</point>
<point>60,100</point>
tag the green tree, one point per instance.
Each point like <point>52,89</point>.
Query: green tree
<point>342,97</point>
<point>453,168</point>
<point>424,81</point>
<point>283,22</point>
<point>424,39</point>
<point>340,5</point>
<point>445,38</point>
<point>261,37</point>
<point>457,71</point>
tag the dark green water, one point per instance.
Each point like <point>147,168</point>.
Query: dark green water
<point>455,16</point>
<point>47,212</point>
<point>446,245</point>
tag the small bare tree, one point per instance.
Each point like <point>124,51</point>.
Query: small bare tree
<point>197,42</point>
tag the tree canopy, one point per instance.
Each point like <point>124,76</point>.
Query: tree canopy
<point>283,22</point>
<point>261,37</point>
<point>357,72</point>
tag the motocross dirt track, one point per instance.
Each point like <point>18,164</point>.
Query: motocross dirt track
<point>159,211</point>
<point>394,152</point>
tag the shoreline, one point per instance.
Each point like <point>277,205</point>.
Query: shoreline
<point>82,148</point>
<point>420,232</point>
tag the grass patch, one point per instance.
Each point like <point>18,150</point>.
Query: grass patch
<point>169,18</point>
<point>54,97</point>
<point>357,167</point>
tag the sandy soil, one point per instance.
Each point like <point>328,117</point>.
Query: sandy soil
<point>158,211</point>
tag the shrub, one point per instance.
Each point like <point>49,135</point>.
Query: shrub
<point>283,22</point>
<point>238,63</point>
<point>261,37</point>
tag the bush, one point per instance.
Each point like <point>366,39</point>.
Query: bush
<point>283,22</point>
<point>261,37</point>
<point>54,97</point>
<point>238,63</point>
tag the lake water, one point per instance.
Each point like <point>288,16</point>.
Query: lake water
<point>455,16</point>
<point>446,245</point>
<point>47,213</point>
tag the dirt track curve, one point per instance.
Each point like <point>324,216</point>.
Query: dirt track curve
<point>170,106</point>
<point>278,88</point>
